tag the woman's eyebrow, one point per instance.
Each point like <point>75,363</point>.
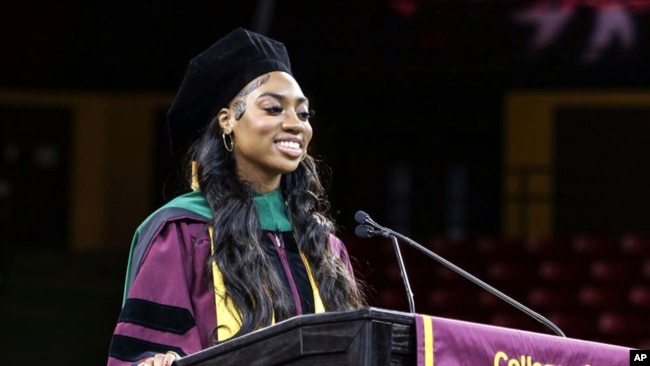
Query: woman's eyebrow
<point>282,97</point>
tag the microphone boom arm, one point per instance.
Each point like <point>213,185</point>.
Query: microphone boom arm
<point>364,218</point>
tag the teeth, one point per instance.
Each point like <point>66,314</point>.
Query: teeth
<point>289,144</point>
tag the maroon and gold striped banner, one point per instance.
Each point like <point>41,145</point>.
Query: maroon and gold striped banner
<point>448,342</point>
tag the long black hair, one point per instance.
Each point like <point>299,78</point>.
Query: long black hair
<point>250,280</point>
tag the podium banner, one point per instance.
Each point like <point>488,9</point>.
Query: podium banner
<point>449,342</point>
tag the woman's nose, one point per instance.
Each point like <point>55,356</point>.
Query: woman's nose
<point>293,123</point>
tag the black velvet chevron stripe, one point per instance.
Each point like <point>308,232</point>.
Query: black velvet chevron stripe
<point>156,316</point>
<point>134,349</point>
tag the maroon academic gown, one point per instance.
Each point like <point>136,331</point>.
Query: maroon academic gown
<point>170,299</point>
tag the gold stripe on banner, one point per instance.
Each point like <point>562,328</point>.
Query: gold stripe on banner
<point>427,323</point>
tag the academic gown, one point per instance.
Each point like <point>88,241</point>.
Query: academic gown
<point>169,301</point>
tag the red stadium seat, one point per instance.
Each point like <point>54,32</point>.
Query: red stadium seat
<point>546,247</point>
<point>546,298</point>
<point>501,272</point>
<point>391,272</point>
<point>621,324</point>
<point>613,271</point>
<point>451,249</point>
<point>606,298</point>
<point>448,298</point>
<point>640,296</point>
<point>635,244</point>
<point>393,298</point>
<point>573,325</point>
<point>594,245</point>
<point>499,248</point>
<point>446,275</point>
<point>564,272</point>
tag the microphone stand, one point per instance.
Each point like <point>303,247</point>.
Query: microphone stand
<point>363,218</point>
<point>365,231</point>
<point>402,271</point>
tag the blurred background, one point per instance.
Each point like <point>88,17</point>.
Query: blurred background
<point>508,136</point>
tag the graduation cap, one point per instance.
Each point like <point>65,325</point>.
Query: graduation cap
<point>215,76</point>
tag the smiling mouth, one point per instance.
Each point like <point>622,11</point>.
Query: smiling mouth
<point>289,144</point>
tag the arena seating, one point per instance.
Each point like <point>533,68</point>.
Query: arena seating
<point>594,287</point>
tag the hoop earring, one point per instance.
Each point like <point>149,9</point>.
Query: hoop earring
<point>225,144</point>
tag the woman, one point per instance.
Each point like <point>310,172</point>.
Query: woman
<point>252,243</point>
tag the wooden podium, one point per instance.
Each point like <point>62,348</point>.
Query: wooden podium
<point>361,337</point>
<point>374,337</point>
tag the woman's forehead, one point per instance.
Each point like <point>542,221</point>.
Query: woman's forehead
<point>278,83</point>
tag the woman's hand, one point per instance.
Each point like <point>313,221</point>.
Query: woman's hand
<point>161,359</point>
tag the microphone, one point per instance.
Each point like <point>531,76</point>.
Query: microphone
<point>366,231</point>
<point>364,219</point>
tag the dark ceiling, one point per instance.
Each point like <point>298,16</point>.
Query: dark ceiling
<point>146,44</point>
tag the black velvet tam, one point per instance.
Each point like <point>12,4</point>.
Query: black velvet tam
<point>215,77</point>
